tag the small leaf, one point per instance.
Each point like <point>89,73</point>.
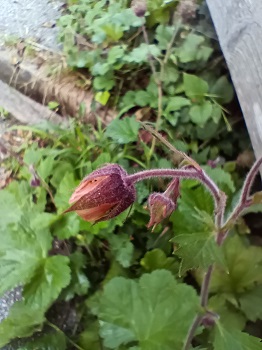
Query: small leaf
<point>104,82</point>
<point>53,105</point>
<point>200,114</point>
<point>176,103</point>
<point>195,87</point>
<point>102,97</point>
<point>189,49</point>
<point>222,90</point>
<point>123,130</point>
<point>142,53</point>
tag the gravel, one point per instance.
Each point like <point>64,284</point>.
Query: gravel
<point>34,19</point>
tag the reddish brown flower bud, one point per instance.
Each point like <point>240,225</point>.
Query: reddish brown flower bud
<point>160,207</point>
<point>139,7</point>
<point>103,194</point>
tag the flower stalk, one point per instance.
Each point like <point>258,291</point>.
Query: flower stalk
<point>110,190</point>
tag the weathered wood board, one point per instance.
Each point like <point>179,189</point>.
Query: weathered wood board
<point>239,28</point>
<point>24,109</point>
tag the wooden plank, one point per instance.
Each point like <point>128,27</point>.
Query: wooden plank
<point>24,109</point>
<point>239,28</point>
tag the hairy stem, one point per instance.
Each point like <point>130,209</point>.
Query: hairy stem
<point>181,174</point>
<point>244,201</point>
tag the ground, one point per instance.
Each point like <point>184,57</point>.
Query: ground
<point>27,18</point>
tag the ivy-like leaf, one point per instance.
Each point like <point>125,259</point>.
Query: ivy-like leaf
<point>229,340</point>
<point>156,311</point>
<point>123,130</point>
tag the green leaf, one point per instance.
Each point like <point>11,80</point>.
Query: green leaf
<point>102,97</point>
<point>53,105</point>
<point>48,281</point>
<point>64,191</point>
<point>197,249</point>
<point>250,303</point>
<point>141,53</point>
<point>59,171</point>
<point>22,321</point>
<point>10,210</point>
<point>229,315</point>
<point>195,87</point>
<point>189,49</point>
<point>66,226</point>
<point>194,230</point>
<point>122,249</point>
<point>79,283</point>
<point>116,53</point>
<point>104,82</point>
<point>200,114</point>
<point>123,130</point>
<point>156,259</point>
<point>48,341</point>
<point>46,167</point>
<point>243,268</point>
<point>21,252</point>
<point>164,35</point>
<point>223,90</point>
<point>113,31</point>
<point>229,340</point>
<point>155,311</point>
<point>89,338</point>
<point>222,178</point>
<point>176,103</point>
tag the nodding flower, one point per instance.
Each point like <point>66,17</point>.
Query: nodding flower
<point>103,194</point>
